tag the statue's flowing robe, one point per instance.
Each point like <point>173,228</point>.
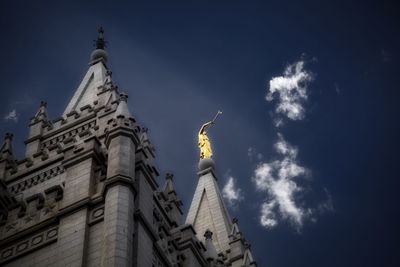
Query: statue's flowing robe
<point>205,146</point>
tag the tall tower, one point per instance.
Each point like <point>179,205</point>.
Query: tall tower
<point>209,216</point>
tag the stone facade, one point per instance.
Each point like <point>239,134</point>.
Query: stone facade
<point>86,192</point>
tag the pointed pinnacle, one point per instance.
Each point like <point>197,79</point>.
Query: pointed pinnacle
<point>100,42</point>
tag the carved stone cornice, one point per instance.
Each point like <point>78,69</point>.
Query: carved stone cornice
<point>29,244</point>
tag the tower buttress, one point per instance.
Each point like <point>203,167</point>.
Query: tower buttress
<point>37,123</point>
<point>6,161</point>
<point>173,202</point>
<point>121,142</point>
<point>6,155</point>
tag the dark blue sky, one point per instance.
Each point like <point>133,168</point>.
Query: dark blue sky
<point>182,61</point>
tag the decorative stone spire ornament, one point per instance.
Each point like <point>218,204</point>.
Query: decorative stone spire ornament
<point>235,233</point>
<point>100,54</point>
<point>145,141</point>
<point>144,137</point>
<point>7,155</point>
<point>37,126</point>
<point>169,186</point>
<point>96,84</point>
<point>211,253</point>
<point>6,150</point>
<point>41,114</point>
<point>248,260</point>
<point>122,109</point>
<point>100,42</point>
<point>173,203</point>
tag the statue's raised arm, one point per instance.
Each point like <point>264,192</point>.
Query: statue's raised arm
<point>204,142</point>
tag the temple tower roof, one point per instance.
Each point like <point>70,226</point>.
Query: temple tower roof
<point>207,210</point>
<point>96,79</point>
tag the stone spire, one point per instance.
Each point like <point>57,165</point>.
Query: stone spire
<point>6,155</point>
<point>173,203</point>
<point>169,186</point>
<point>122,109</point>
<point>235,233</point>
<point>36,129</point>
<point>207,210</point>
<point>100,42</point>
<point>41,114</point>
<point>6,150</point>
<point>100,54</point>
<point>94,88</point>
<point>208,214</point>
<point>239,253</point>
<point>248,260</point>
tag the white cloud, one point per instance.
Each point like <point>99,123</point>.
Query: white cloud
<point>290,90</point>
<point>231,193</point>
<point>268,217</point>
<point>12,115</point>
<point>277,179</point>
<point>284,148</point>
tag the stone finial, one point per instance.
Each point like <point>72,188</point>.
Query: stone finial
<point>99,54</point>
<point>6,148</point>
<point>235,232</point>
<point>144,137</point>
<point>123,97</point>
<point>247,245</point>
<point>7,159</point>
<point>169,176</point>
<point>43,103</point>
<point>100,42</point>
<point>145,141</point>
<point>169,186</point>
<point>211,252</point>
<point>208,234</point>
<point>9,136</point>
<point>248,259</point>
<point>41,114</point>
<point>122,109</point>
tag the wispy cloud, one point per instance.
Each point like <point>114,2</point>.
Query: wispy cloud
<point>268,218</point>
<point>327,205</point>
<point>253,154</point>
<point>11,116</point>
<point>231,192</point>
<point>290,92</point>
<point>277,179</point>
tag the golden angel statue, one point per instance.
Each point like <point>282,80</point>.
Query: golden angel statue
<point>204,142</point>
